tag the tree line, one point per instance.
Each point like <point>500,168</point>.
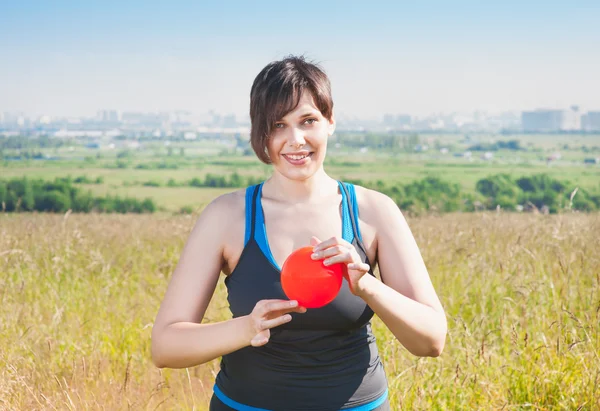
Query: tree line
<point>234,180</point>
<point>538,192</point>
<point>430,194</point>
<point>60,195</point>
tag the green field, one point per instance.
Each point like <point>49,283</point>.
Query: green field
<point>79,295</point>
<point>184,160</point>
<point>79,292</point>
<point>370,168</point>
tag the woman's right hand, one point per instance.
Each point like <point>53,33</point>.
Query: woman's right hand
<point>268,314</point>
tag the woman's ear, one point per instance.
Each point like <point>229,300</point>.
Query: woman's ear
<point>331,125</point>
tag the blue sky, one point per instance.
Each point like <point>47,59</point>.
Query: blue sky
<point>73,58</point>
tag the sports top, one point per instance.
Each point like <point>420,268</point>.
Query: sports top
<point>325,359</point>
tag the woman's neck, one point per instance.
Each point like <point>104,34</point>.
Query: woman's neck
<point>311,190</point>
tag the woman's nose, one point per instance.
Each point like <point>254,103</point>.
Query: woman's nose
<point>296,137</point>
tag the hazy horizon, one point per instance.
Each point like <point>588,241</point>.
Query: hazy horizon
<point>69,58</point>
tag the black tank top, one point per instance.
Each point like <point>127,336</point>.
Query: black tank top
<point>325,359</point>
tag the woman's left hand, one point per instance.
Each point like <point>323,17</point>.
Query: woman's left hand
<point>337,250</point>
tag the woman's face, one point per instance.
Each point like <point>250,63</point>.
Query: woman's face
<point>298,142</point>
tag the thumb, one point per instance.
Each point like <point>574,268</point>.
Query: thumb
<point>314,241</point>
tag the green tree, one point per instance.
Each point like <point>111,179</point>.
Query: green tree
<point>55,201</point>
<point>28,199</point>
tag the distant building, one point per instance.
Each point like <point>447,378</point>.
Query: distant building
<point>388,120</point>
<point>229,121</point>
<point>541,120</point>
<point>591,121</point>
<point>571,119</point>
<point>551,120</point>
<point>45,119</point>
<point>403,120</point>
<point>108,116</point>
<point>488,155</point>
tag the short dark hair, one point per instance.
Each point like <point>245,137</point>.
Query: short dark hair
<point>277,90</point>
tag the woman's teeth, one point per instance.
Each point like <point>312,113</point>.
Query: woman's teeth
<point>297,157</point>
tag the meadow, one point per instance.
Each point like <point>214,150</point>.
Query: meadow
<point>79,294</point>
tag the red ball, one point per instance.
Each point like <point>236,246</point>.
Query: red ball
<point>309,281</point>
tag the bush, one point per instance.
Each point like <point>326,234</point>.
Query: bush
<point>55,201</point>
<point>186,209</point>
<point>152,183</point>
<point>22,194</point>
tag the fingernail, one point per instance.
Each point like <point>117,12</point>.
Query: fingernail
<point>293,303</point>
<point>314,255</point>
<point>326,262</point>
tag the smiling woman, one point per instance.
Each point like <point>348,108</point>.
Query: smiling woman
<point>280,88</point>
<point>276,354</point>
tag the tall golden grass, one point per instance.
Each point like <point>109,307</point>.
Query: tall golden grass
<point>78,295</point>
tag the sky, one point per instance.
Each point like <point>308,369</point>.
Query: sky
<point>73,58</point>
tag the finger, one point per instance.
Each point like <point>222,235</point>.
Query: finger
<point>268,324</point>
<point>314,241</point>
<point>339,258</point>
<point>260,339</point>
<point>331,242</point>
<point>273,314</point>
<point>259,342</point>
<point>277,305</point>
<point>331,251</point>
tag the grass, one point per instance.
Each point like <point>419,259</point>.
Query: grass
<point>79,293</point>
<point>171,198</point>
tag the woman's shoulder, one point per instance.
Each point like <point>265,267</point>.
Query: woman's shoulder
<point>222,217</point>
<point>369,197</point>
<point>226,204</point>
<point>372,203</point>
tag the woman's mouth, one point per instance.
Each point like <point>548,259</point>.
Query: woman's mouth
<point>298,159</point>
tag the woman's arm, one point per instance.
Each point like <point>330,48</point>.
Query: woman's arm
<point>179,339</point>
<point>406,300</point>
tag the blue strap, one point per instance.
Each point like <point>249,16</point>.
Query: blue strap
<point>347,233</point>
<point>260,230</point>
<point>352,193</point>
<point>241,407</point>
<point>249,193</point>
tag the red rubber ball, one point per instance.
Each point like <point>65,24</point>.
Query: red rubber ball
<point>309,281</point>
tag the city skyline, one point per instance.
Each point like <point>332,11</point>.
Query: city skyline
<point>73,59</point>
<point>113,121</point>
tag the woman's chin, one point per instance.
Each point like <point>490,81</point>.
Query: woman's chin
<point>298,174</point>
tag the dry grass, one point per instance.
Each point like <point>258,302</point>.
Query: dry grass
<point>78,295</point>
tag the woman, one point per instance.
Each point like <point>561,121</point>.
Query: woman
<point>277,355</point>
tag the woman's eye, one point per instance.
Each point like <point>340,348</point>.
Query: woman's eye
<point>310,121</point>
<point>278,125</point>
